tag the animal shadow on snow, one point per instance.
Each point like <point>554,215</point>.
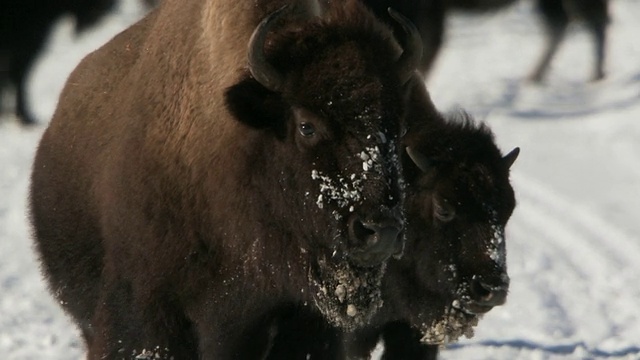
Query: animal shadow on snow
<point>561,349</point>
<point>560,100</point>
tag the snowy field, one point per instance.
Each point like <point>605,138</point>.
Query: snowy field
<point>574,239</point>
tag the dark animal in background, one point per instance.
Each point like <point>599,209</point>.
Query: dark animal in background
<point>429,16</point>
<point>24,27</point>
<point>151,3</point>
<point>459,200</point>
<point>556,16</point>
<point>182,202</point>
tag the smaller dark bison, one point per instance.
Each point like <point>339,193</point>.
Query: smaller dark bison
<point>24,27</point>
<point>557,14</point>
<point>459,200</point>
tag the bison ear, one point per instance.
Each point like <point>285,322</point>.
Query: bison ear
<point>416,165</point>
<point>511,157</point>
<point>255,106</point>
<point>420,160</point>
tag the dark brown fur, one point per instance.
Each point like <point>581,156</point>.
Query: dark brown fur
<point>453,211</point>
<point>175,204</point>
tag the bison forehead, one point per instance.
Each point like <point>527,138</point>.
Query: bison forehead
<point>346,86</point>
<point>357,100</point>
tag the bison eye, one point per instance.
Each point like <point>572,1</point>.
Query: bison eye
<point>443,212</point>
<point>306,129</point>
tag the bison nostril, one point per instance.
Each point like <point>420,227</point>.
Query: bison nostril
<point>373,242</point>
<point>360,233</point>
<point>481,290</point>
<point>486,294</point>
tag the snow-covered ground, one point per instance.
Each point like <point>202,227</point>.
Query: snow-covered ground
<point>574,239</point>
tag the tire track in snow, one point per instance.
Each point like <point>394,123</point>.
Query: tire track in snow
<point>611,244</point>
<point>588,289</point>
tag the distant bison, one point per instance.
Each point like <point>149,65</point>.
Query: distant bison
<point>430,19</point>
<point>429,16</point>
<point>459,200</point>
<point>557,14</point>
<point>183,201</point>
<point>24,27</point>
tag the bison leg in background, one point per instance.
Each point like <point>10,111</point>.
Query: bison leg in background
<point>556,16</point>
<point>20,63</point>
<point>596,16</point>
<point>599,34</point>
<point>555,20</point>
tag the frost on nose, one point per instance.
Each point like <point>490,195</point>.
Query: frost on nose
<point>496,247</point>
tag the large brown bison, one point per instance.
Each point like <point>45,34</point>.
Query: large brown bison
<point>458,202</point>
<point>182,201</point>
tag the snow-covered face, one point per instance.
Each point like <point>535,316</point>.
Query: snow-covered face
<point>346,127</point>
<point>335,119</point>
<point>355,182</point>
<point>457,217</point>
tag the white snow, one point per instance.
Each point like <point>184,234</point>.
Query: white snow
<point>573,242</point>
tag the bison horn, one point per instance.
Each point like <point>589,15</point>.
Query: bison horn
<point>315,9</point>
<point>260,68</point>
<point>412,47</point>
<point>420,160</point>
<point>511,157</point>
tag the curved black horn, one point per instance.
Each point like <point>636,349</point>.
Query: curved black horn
<point>260,68</point>
<point>412,47</point>
<point>511,157</point>
<point>419,159</point>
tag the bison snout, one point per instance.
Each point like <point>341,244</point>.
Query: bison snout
<point>373,242</point>
<point>485,293</point>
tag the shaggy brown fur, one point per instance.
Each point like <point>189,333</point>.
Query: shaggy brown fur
<point>180,207</point>
<point>454,266</point>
